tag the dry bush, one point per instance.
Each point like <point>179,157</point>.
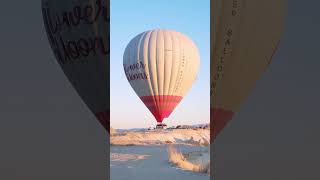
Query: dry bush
<point>179,160</point>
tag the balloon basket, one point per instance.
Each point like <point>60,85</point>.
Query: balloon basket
<point>161,126</point>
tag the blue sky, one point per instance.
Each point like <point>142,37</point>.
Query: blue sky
<point>128,19</point>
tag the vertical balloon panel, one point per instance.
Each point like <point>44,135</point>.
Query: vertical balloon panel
<point>79,34</point>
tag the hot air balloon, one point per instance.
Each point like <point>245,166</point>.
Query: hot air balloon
<point>161,66</point>
<point>78,32</point>
<point>245,35</point>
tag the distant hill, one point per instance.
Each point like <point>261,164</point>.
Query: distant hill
<point>194,136</point>
<point>206,125</point>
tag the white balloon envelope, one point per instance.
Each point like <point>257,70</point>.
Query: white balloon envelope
<point>161,66</point>
<point>78,32</point>
<point>245,35</point>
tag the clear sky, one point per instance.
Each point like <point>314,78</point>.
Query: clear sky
<point>128,19</point>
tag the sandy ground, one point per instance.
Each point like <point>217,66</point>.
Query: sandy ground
<point>151,162</point>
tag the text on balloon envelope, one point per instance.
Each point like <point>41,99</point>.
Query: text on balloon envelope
<point>61,23</point>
